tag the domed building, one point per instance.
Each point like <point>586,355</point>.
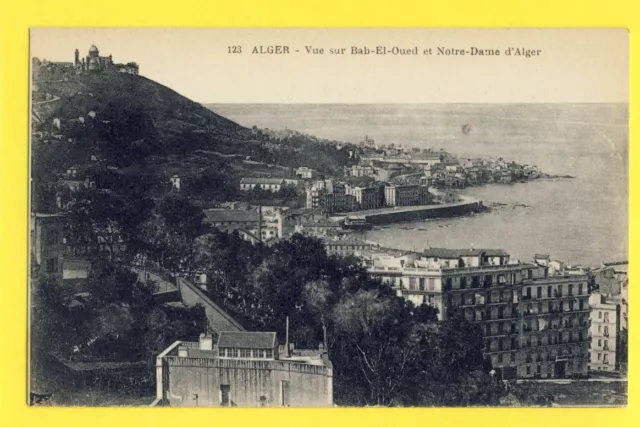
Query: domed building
<point>94,62</point>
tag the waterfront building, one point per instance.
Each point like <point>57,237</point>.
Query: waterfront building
<point>344,247</point>
<point>406,195</point>
<point>271,184</point>
<point>605,328</point>
<point>243,369</point>
<point>367,197</point>
<point>321,227</point>
<point>330,197</point>
<point>535,324</point>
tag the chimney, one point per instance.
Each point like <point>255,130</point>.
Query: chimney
<point>206,341</point>
<point>286,339</point>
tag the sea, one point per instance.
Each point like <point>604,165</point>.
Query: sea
<point>581,220</point>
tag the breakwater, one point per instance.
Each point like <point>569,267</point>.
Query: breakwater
<point>382,216</point>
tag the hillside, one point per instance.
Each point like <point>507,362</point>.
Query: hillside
<point>148,132</point>
<point>105,93</point>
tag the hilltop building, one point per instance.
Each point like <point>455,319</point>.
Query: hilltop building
<point>244,369</point>
<point>535,324</point>
<point>94,62</point>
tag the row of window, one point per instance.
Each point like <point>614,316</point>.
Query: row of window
<point>550,293</point>
<point>245,353</point>
<point>420,284</point>
<point>479,281</point>
<point>552,338</point>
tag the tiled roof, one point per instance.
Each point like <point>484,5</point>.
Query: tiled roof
<point>457,253</point>
<point>264,340</point>
<point>275,181</point>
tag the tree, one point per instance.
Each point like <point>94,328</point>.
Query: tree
<point>377,346</point>
<point>184,223</point>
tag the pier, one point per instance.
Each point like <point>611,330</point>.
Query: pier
<point>390,215</point>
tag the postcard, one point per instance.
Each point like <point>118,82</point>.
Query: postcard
<point>328,217</point>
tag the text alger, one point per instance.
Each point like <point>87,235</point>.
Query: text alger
<point>271,50</point>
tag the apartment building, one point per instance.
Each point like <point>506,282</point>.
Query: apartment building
<point>604,331</point>
<point>367,197</point>
<point>535,324</point>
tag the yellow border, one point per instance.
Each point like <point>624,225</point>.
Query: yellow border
<point>16,16</point>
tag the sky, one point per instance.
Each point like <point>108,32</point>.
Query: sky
<point>574,65</point>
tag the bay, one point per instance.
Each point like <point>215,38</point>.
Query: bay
<point>580,221</point>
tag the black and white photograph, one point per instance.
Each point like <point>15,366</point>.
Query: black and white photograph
<point>309,218</point>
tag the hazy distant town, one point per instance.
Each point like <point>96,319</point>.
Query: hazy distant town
<point>167,240</point>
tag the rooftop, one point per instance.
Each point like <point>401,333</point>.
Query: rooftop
<point>263,340</point>
<point>231,215</point>
<point>457,253</point>
<point>275,181</point>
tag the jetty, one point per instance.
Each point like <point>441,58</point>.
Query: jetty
<point>464,206</point>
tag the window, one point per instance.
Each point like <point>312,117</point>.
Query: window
<point>432,284</point>
<point>513,343</point>
<point>449,283</point>
<point>606,316</point>
<point>53,237</point>
<point>599,356</point>
<point>528,370</point>
<point>606,331</point>
<point>52,265</point>
<point>606,344</point>
<point>513,328</point>
<point>599,343</point>
<point>225,390</point>
<point>268,354</point>
<point>513,357</point>
<point>570,289</point>
<point>549,290</point>
<point>528,293</point>
<point>284,393</point>
<point>245,352</point>
<point>605,358</point>
<point>559,290</point>
<point>539,293</point>
<point>412,283</point>
<point>538,369</point>
<point>599,328</point>
<point>599,315</point>
<point>580,289</point>
<point>500,358</point>
<point>421,284</point>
